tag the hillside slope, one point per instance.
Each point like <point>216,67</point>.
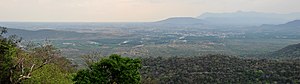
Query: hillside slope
<point>219,69</point>
<point>288,52</point>
<point>289,28</point>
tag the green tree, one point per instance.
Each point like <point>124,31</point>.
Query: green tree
<point>41,55</point>
<point>7,54</point>
<point>49,66</point>
<point>114,69</point>
<point>33,64</point>
<point>49,74</point>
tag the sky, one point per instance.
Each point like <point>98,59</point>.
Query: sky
<point>131,10</point>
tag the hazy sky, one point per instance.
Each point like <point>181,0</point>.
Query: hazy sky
<point>131,10</point>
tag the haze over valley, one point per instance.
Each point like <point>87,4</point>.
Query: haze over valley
<point>150,41</point>
<point>176,36</point>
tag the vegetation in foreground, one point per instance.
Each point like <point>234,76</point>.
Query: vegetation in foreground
<point>31,64</point>
<point>111,70</point>
<point>44,64</point>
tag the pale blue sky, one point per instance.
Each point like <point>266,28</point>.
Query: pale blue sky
<point>131,10</point>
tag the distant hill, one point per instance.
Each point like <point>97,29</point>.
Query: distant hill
<point>288,52</point>
<point>46,34</point>
<point>289,27</point>
<point>181,21</point>
<point>248,18</point>
<point>295,23</point>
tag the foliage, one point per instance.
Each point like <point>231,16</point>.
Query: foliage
<point>90,59</point>
<point>8,52</point>
<point>219,69</point>
<point>49,74</point>
<point>114,69</point>
<point>44,63</point>
<point>288,52</point>
<point>48,66</point>
<point>19,64</point>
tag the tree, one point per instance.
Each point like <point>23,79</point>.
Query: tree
<point>20,64</point>
<point>50,74</point>
<point>114,69</point>
<point>49,66</point>
<point>8,52</point>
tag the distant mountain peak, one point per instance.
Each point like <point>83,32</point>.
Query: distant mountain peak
<point>181,20</point>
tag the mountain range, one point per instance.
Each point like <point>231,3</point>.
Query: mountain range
<point>234,18</point>
<point>248,18</point>
<point>288,28</point>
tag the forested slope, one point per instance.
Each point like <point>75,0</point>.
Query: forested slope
<point>219,69</point>
<point>288,52</point>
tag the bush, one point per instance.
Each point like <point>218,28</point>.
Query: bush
<point>114,69</point>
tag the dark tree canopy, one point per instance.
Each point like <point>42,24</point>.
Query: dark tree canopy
<point>114,69</point>
<point>7,53</point>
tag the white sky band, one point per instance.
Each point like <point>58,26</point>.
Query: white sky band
<point>131,10</point>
